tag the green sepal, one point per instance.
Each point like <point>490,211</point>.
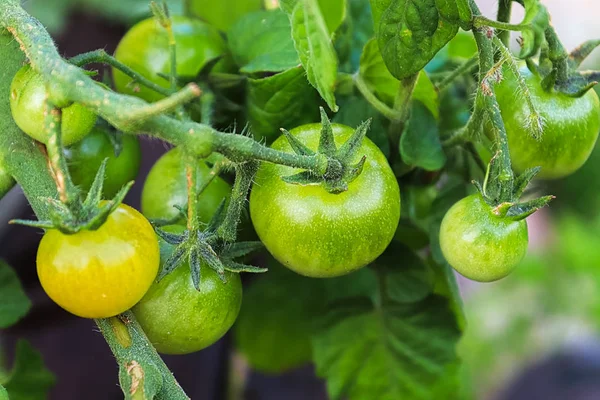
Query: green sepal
<point>521,211</point>
<point>95,193</point>
<point>326,141</point>
<point>298,147</point>
<point>211,259</point>
<point>236,267</point>
<point>240,249</point>
<point>172,262</point>
<point>174,239</point>
<point>195,268</point>
<point>523,180</point>
<point>578,55</point>
<point>339,171</point>
<point>303,178</point>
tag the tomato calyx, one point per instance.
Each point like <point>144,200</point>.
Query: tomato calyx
<point>340,169</point>
<point>558,69</point>
<point>503,197</point>
<point>87,215</point>
<point>208,248</point>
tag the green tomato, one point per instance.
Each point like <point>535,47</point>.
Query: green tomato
<point>570,129</point>
<point>479,244</point>
<point>145,48</point>
<point>166,187</point>
<point>317,233</point>
<point>28,106</point>
<point>177,318</point>
<point>84,159</point>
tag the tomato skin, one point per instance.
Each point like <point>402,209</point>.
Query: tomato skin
<point>319,234</point>
<point>480,245</point>
<point>84,159</point>
<point>27,104</point>
<point>99,274</point>
<point>145,48</point>
<point>166,186</point>
<point>178,319</point>
<point>571,127</point>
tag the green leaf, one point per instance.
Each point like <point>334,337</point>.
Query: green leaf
<point>274,325</point>
<point>420,143</point>
<point>262,42</point>
<point>411,32</point>
<point>413,282</point>
<point>29,378</point>
<point>3,393</point>
<point>315,49</point>
<point>222,14</point>
<point>284,100</point>
<point>381,82</point>
<point>15,303</point>
<point>390,350</point>
<point>333,11</point>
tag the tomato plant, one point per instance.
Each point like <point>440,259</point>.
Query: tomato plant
<point>27,103</point>
<point>99,274</point>
<point>321,234</point>
<point>123,163</point>
<point>145,48</point>
<point>318,116</point>
<point>570,126</point>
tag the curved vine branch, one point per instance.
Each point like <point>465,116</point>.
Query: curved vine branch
<point>68,83</point>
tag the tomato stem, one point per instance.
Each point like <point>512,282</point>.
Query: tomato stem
<point>503,15</point>
<point>67,191</point>
<point>503,176</point>
<point>101,56</point>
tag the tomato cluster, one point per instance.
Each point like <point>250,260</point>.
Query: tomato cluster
<point>309,228</point>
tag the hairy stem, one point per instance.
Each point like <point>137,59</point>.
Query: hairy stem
<point>379,105</point>
<point>504,11</point>
<point>67,191</point>
<point>486,63</point>
<point>465,68</point>
<point>102,57</point>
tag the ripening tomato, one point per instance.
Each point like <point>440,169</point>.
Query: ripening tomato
<point>101,273</point>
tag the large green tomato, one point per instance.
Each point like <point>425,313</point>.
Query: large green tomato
<point>177,318</point>
<point>85,157</point>
<point>166,187</point>
<point>570,130</point>
<point>479,244</point>
<point>145,48</point>
<point>28,106</point>
<point>317,233</point>
<point>101,273</point>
